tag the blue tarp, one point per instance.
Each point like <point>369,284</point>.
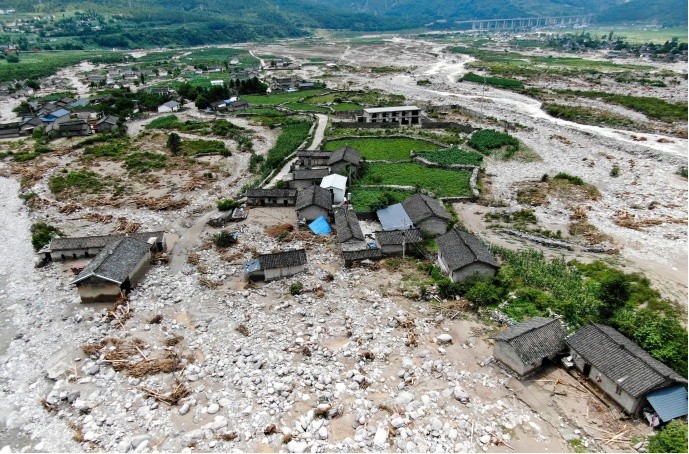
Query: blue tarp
<point>670,402</point>
<point>394,218</point>
<point>320,226</point>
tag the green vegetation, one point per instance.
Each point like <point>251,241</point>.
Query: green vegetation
<point>290,138</point>
<point>346,107</point>
<point>651,107</point>
<point>296,288</point>
<point>378,148</point>
<point>486,140</point>
<point>303,107</point>
<point>452,156</point>
<point>275,99</point>
<point>441,182</point>
<point>81,180</point>
<point>671,438</point>
<point>227,204</point>
<point>42,233</point>
<point>35,66</point>
<point>143,162</point>
<point>495,81</point>
<point>192,147</point>
<point>577,181</point>
<point>115,150</point>
<point>372,199</point>
<point>224,239</point>
<point>587,115</point>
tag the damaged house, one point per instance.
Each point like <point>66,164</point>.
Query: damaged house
<point>278,265</point>
<point>271,197</point>
<point>314,202</point>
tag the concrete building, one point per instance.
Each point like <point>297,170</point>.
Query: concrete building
<point>115,270</point>
<point>314,202</point>
<point>269,267</point>
<point>271,197</point>
<point>302,179</point>
<point>427,214</point>
<point>337,184</point>
<point>526,346</point>
<point>395,242</point>
<point>462,255</point>
<point>627,373</point>
<point>307,159</point>
<point>401,115</point>
<point>170,106</point>
<point>73,248</point>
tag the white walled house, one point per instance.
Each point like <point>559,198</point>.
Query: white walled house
<point>337,184</point>
<point>170,106</point>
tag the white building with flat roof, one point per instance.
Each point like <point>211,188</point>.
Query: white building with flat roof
<point>402,115</point>
<point>337,184</point>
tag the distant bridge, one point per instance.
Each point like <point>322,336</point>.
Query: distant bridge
<point>523,23</point>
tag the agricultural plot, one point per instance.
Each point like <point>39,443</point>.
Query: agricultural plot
<point>486,140</point>
<point>441,182</point>
<point>452,156</point>
<point>275,99</point>
<point>303,107</point>
<point>372,199</point>
<point>346,106</point>
<point>389,149</point>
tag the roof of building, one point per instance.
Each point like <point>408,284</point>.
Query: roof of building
<point>80,102</point>
<point>621,360</point>
<point>115,261</point>
<point>309,174</point>
<point>171,104</point>
<point>73,125</point>
<point>362,254</point>
<point>314,195</point>
<point>390,109</point>
<point>348,228</point>
<point>334,181</point>
<point>58,113</point>
<point>346,154</point>
<point>314,154</point>
<point>535,338</point>
<point>397,237</point>
<point>282,259</point>
<point>460,249</point>
<point>394,217</point>
<point>271,193</point>
<point>110,119</point>
<point>670,402</point>
<point>420,207</point>
<point>97,242</point>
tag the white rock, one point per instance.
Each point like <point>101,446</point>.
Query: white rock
<point>381,437</point>
<point>484,439</point>
<point>213,408</point>
<point>297,446</point>
<point>184,409</point>
<point>90,436</point>
<point>404,398</point>
<point>323,433</point>
<point>444,339</point>
<point>398,422</point>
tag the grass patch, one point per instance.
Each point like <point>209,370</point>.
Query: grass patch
<point>303,107</point>
<point>371,199</point>
<point>81,180</point>
<point>346,107</point>
<point>495,81</point>
<point>143,162</point>
<point>656,108</point>
<point>275,99</point>
<point>115,150</point>
<point>441,182</point>
<point>375,148</point>
<point>290,138</point>
<point>192,147</point>
<point>487,140</point>
<point>170,122</point>
<point>587,115</point>
<point>562,186</point>
<point>452,156</point>
<point>42,233</point>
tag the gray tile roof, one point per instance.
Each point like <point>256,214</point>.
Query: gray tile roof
<point>621,360</point>
<point>310,174</point>
<point>96,242</point>
<point>314,195</point>
<point>271,193</point>
<point>420,207</point>
<point>346,154</point>
<point>111,119</point>
<point>282,259</point>
<point>348,228</point>
<point>115,261</point>
<point>535,339</point>
<point>73,125</point>
<point>362,254</point>
<point>460,249</point>
<point>314,154</point>
<point>397,237</point>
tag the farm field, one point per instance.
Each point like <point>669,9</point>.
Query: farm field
<point>452,156</point>
<point>441,182</point>
<point>392,149</point>
<point>275,99</point>
<point>369,199</point>
<point>304,107</point>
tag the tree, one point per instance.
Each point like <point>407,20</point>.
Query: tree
<point>12,58</point>
<point>174,143</point>
<point>671,438</point>
<point>614,292</point>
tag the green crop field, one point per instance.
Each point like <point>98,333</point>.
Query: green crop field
<point>382,148</point>
<point>275,99</point>
<point>643,35</point>
<point>346,106</point>
<point>453,156</point>
<point>441,182</point>
<point>369,199</point>
<point>303,107</point>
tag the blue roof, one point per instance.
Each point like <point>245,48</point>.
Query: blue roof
<point>320,226</point>
<point>394,218</point>
<point>55,115</point>
<point>670,402</point>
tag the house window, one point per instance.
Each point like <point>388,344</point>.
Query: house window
<point>618,390</point>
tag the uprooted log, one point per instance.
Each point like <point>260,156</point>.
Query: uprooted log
<point>160,203</point>
<point>177,392</point>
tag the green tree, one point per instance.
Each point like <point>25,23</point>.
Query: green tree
<point>174,143</point>
<point>614,292</point>
<point>41,234</point>
<point>671,438</point>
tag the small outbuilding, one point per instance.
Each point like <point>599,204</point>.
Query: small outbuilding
<point>526,346</point>
<point>271,197</point>
<point>307,159</point>
<point>427,214</point>
<point>170,106</point>
<point>345,160</point>
<point>396,242</point>
<point>627,373</point>
<point>394,217</point>
<point>72,128</point>
<point>302,179</point>
<point>461,255</point>
<point>116,269</point>
<point>107,124</point>
<point>269,267</point>
<point>348,228</point>
<point>314,202</point>
<point>351,257</point>
<point>73,248</point>
<point>337,184</point>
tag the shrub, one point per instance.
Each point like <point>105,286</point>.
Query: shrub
<point>495,81</point>
<point>84,180</point>
<point>615,171</point>
<point>296,288</point>
<point>577,181</point>
<point>142,162</point>
<point>174,143</point>
<point>671,438</point>
<point>486,140</point>
<point>41,234</point>
<point>682,171</point>
<point>227,204</point>
<point>224,239</point>
<point>483,292</point>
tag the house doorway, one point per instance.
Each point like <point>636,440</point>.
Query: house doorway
<point>587,369</point>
